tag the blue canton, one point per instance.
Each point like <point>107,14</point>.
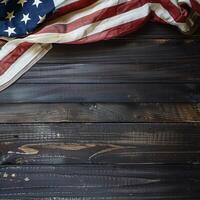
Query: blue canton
<point>21,17</point>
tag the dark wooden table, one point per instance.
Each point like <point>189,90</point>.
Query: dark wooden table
<point>112,120</point>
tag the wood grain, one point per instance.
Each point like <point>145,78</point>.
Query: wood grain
<point>100,112</point>
<point>146,93</point>
<point>115,120</point>
<point>100,182</point>
<point>163,31</point>
<point>153,30</point>
<point>99,143</point>
<point>112,73</point>
<point>155,51</point>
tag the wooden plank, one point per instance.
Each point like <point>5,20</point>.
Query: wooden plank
<point>112,73</point>
<point>52,93</point>
<point>155,51</point>
<point>99,143</point>
<point>100,182</point>
<point>100,112</point>
<point>162,31</point>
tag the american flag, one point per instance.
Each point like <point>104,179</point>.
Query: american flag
<point>28,28</point>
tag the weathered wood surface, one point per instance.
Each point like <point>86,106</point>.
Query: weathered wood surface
<point>81,93</point>
<point>115,120</point>
<point>100,112</point>
<point>112,73</point>
<point>128,51</point>
<point>100,143</point>
<point>100,182</point>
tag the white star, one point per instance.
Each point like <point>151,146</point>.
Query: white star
<point>10,31</point>
<point>5,2</point>
<point>27,179</point>
<point>25,18</point>
<point>41,19</point>
<point>10,15</point>
<point>5,175</point>
<point>36,3</point>
<point>22,2</point>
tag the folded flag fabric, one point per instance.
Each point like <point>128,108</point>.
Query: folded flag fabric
<point>28,28</point>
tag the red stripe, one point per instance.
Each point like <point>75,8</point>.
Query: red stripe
<point>8,60</point>
<point>179,14</point>
<point>92,18</point>
<point>120,30</point>
<point>195,5</point>
<point>63,11</point>
<point>113,11</point>
<point>71,7</point>
<point>113,32</point>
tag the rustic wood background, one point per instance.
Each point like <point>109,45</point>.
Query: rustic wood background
<point>113,120</point>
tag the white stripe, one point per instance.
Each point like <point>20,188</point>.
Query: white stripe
<point>175,2</point>
<point>95,7</point>
<point>6,49</point>
<point>101,4</point>
<point>103,25</point>
<point>23,64</point>
<point>33,54</point>
<point>94,28</point>
<point>58,3</point>
<point>69,18</point>
<point>61,3</point>
<point>97,27</point>
<point>188,2</point>
<point>163,14</point>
